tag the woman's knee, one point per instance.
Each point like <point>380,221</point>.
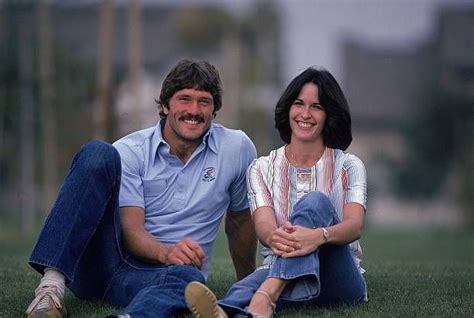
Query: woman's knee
<point>314,206</point>
<point>316,198</point>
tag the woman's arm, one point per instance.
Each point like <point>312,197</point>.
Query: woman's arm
<point>345,232</point>
<point>350,229</point>
<point>278,239</point>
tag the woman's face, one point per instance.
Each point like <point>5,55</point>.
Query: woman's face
<point>307,115</point>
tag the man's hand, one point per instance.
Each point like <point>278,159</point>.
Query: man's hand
<point>186,252</point>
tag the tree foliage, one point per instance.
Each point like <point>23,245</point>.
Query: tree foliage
<point>440,142</point>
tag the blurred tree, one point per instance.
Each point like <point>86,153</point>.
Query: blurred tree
<point>260,75</point>
<point>20,91</point>
<point>201,28</point>
<point>440,141</point>
<point>46,97</point>
<point>230,71</point>
<point>75,106</point>
<point>258,125</point>
<point>9,83</point>
<point>260,32</point>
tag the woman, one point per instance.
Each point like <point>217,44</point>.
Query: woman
<point>308,200</point>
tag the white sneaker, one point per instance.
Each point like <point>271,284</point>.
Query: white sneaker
<point>48,303</point>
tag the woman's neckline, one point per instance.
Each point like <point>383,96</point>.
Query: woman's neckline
<point>290,158</point>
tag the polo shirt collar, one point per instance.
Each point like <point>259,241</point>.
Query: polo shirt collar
<point>208,140</point>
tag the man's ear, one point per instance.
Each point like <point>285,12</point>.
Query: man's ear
<point>161,106</point>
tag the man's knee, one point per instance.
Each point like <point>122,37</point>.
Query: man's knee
<point>97,155</point>
<point>187,273</point>
<point>100,148</point>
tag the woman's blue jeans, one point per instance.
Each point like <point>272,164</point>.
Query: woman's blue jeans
<point>82,239</point>
<point>326,277</point>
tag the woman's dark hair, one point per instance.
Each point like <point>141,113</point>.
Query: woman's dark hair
<point>337,128</point>
<point>189,74</point>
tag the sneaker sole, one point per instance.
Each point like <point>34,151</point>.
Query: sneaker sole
<point>200,300</point>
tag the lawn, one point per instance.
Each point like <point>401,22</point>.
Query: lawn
<point>424,274</point>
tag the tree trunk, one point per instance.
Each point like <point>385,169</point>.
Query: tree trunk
<point>103,70</point>
<point>134,59</point>
<point>3,100</point>
<point>27,138</point>
<point>46,96</point>
<point>231,66</point>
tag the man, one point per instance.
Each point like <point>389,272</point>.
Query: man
<point>135,222</point>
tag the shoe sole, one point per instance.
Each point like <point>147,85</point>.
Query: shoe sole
<point>200,300</point>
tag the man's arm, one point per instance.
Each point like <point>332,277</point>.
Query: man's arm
<point>141,244</point>
<point>242,241</point>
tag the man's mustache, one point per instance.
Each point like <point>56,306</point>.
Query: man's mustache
<point>197,118</point>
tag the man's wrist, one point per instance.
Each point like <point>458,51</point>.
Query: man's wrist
<point>163,254</point>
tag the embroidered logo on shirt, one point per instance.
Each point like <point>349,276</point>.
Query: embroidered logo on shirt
<point>209,174</point>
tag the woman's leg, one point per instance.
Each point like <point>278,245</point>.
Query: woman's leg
<point>301,278</point>
<point>314,210</point>
<point>341,280</point>
<point>329,274</point>
<point>239,295</point>
<point>271,285</point>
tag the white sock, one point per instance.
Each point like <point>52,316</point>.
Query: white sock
<point>53,278</point>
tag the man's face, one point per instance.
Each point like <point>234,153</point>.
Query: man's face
<point>189,116</point>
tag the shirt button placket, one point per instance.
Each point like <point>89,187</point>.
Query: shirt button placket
<point>180,189</point>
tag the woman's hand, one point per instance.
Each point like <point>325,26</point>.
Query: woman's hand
<point>308,240</point>
<point>282,240</point>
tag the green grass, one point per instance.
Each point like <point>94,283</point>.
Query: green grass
<point>409,274</point>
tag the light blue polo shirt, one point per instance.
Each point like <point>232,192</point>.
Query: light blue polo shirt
<point>185,200</point>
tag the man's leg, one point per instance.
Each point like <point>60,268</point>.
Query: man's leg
<point>152,290</point>
<point>81,235</point>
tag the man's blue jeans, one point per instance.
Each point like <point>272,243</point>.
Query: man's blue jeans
<point>82,239</point>
<point>326,277</point>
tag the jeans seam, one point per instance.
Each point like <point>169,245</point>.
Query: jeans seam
<point>109,285</point>
<point>91,236</point>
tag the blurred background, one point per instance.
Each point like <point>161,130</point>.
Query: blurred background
<point>71,71</point>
